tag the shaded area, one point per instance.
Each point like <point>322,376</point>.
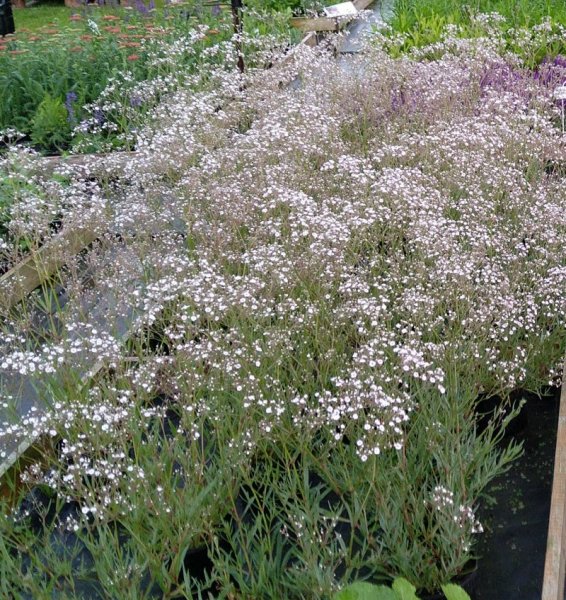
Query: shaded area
<point>512,551</point>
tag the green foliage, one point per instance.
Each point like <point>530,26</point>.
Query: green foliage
<point>43,68</point>
<point>366,591</point>
<point>295,5</point>
<point>423,22</point>
<point>415,27</point>
<point>404,590</point>
<point>408,13</point>
<point>50,127</point>
<point>401,589</point>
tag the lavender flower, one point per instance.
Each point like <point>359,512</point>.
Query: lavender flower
<point>70,99</point>
<point>136,100</point>
<point>141,7</point>
<point>551,71</point>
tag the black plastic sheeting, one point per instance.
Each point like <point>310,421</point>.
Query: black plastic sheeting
<point>512,551</point>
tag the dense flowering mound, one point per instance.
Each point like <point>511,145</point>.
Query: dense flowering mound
<point>335,270</point>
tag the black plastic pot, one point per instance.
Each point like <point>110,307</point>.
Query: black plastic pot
<point>6,18</point>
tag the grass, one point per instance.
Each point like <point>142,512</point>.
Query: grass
<point>34,18</point>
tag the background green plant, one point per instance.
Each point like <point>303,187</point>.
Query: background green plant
<point>41,70</point>
<point>50,127</point>
<point>422,23</point>
<point>409,13</point>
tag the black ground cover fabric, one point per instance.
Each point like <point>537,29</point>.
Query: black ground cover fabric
<point>512,551</point>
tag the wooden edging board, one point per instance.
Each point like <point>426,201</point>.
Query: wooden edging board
<point>32,449</point>
<point>327,23</point>
<point>97,161</point>
<point>40,265</point>
<point>555,562</point>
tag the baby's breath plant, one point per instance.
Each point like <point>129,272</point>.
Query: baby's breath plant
<point>318,283</point>
<point>34,207</point>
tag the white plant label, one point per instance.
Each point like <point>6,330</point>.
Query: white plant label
<point>344,9</point>
<point>560,92</point>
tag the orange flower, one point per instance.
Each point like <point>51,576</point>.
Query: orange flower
<point>133,57</point>
<point>110,18</point>
<point>86,38</point>
<point>75,49</point>
<point>112,29</point>
<point>75,18</point>
<point>51,31</point>
<point>213,31</point>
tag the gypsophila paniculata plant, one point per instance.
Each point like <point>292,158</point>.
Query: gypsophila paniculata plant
<point>300,296</point>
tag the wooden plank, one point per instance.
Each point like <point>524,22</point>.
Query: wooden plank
<point>318,23</point>
<point>327,23</point>
<point>97,162</point>
<point>362,4</point>
<point>40,265</point>
<point>555,562</point>
<point>310,40</point>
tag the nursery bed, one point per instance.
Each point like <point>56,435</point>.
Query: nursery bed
<point>263,317</point>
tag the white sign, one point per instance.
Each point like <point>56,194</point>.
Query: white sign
<point>560,92</point>
<point>344,9</point>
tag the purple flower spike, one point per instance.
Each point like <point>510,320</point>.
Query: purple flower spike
<point>70,99</point>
